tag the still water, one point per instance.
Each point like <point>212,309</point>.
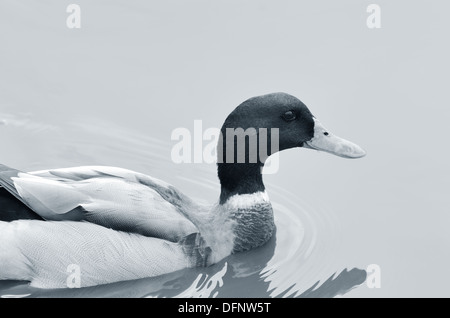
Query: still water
<point>112,92</point>
<point>296,262</point>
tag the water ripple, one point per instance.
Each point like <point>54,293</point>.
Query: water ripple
<point>299,261</point>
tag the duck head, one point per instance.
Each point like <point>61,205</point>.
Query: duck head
<point>262,126</point>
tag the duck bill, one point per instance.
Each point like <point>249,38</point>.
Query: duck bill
<point>323,140</point>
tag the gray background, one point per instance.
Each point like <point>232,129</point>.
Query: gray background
<point>152,66</point>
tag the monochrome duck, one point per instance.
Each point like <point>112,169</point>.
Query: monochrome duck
<point>114,224</point>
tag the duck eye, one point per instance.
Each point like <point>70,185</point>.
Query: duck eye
<point>289,115</point>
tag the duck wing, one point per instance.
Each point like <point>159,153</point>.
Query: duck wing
<point>116,198</point>
<point>12,207</point>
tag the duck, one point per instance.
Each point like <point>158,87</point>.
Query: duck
<point>108,224</point>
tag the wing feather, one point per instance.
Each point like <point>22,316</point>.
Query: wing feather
<point>112,197</point>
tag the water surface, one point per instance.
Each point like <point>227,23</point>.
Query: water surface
<point>296,262</point>
<point>112,92</point>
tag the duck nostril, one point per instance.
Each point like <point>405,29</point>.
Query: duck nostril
<point>326,133</point>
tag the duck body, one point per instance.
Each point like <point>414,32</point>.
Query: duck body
<point>115,224</point>
<point>102,255</point>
